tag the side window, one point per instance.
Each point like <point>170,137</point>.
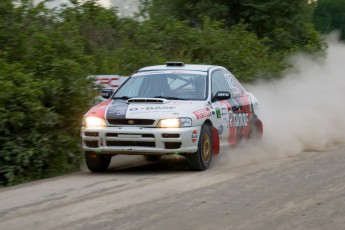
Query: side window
<point>236,88</point>
<point>189,86</point>
<point>219,82</point>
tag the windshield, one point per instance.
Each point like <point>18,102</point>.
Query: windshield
<point>178,85</point>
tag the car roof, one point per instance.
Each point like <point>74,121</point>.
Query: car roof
<point>195,67</point>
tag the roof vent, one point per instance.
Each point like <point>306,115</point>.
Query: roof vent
<point>174,63</point>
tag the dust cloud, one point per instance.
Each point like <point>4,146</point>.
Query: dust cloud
<point>304,111</point>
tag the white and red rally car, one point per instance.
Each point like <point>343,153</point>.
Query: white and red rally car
<point>190,110</point>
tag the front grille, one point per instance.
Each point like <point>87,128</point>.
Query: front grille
<point>170,135</point>
<point>143,135</point>
<point>91,144</point>
<point>173,145</point>
<point>148,135</point>
<point>131,143</point>
<point>91,134</point>
<point>111,134</point>
<point>131,121</point>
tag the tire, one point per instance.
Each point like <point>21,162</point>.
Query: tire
<point>255,130</point>
<point>152,157</point>
<point>97,162</point>
<point>201,159</point>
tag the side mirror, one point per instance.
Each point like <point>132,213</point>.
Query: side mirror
<point>106,93</point>
<point>221,96</point>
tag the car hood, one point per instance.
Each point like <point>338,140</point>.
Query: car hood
<point>154,109</point>
<point>150,109</point>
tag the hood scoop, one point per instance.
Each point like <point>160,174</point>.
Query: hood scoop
<point>148,100</point>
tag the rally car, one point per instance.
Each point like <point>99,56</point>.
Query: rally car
<point>177,108</point>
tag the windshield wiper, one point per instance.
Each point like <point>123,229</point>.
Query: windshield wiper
<point>170,98</point>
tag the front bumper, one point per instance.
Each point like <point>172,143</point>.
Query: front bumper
<point>140,141</point>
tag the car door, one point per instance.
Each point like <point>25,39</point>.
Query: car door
<point>221,108</point>
<point>240,112</point>
<point>234,114</point>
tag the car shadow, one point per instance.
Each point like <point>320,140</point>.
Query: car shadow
<point>137,165</point>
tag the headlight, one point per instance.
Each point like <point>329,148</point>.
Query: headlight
<point>175,122</point>
<point>94,122</point>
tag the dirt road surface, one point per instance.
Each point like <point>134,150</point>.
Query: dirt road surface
<point>303,191</point>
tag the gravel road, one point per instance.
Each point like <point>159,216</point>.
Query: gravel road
<point>303,191</point>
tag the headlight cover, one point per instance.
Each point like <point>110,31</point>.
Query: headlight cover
<point>94,122</point>
<point>175,122</point>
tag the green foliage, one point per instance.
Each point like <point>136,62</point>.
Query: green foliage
<point>44,97</point>
<point>329,16</point>
<point>97,26</point>
<point>239,50</point>
<point>285,25</point>
<point>154,42</point>
<point>24,150</point>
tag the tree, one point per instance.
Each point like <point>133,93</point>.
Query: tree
<point>286,25</point>
<point>329,15</point>
<point>97,26</point>
<point>44,93</point>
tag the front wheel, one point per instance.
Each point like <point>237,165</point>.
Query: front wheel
<point>201,159</point>
<point>97,162</point>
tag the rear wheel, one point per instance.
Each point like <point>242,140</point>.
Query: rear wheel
<point>97,162</point>
<point>152,157</point>
<point>255,130</point>
<point>201,159</point>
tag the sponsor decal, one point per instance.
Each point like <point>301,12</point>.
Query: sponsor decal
<point>110,82</point>
<point>220,130</point>
<point>150,109</point>
<point>238,119</point>
<point>230,81</point>
<point>169,72</point>
<point>224,113</point>
<point>194,136</point>
<point>219,115</point>
<point>160,107</point>
<point>202,113</point>
<point>224,107</point>
<point>117,109</point>
<point>182,102</point>
<point>224,94</point>
<point>138,110</point>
